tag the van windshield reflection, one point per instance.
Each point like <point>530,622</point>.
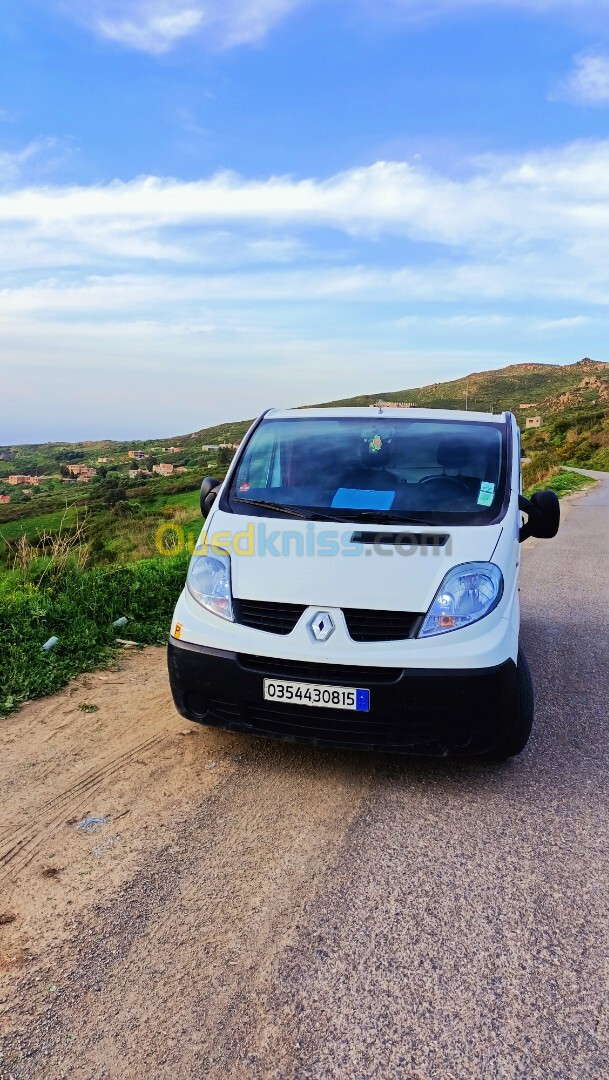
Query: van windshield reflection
<point>402,471</point>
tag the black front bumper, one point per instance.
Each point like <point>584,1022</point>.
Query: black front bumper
<point>411,711</point>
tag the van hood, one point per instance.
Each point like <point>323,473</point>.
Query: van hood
<point>320,564</point>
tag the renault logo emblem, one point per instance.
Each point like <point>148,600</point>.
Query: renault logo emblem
<point>321,626</point>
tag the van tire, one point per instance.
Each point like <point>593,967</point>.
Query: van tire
<point>523,709</point>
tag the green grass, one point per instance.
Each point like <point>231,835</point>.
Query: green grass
<point>79,607</point>
<point>188,499</point>
<point>33,527</point>
<point>110,539</point>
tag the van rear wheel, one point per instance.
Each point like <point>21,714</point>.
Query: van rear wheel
<point>522,709</point>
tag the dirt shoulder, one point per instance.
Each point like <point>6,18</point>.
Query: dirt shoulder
<point>110,747</point>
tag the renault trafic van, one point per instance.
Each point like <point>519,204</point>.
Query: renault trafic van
<point>356,584</point>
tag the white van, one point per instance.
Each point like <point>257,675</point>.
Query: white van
<point>356,584</point>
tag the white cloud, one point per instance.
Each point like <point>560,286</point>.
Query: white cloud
<point>536,225</point>
<point>568,323</point>
<point>241,21</point>
<point>588,82</point>
<point>156,26</point>
<point>460,322</point>
<point>515,205</point>
<point>151,33</point>
<point>13,163</point>
<point>176,298</point>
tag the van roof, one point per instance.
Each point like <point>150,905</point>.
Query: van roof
<point>364,411</point>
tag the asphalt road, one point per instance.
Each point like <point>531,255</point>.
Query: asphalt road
<point>320,915</point>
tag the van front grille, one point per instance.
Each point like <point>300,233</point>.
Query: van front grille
<point>272,618</point>
<point>363,625</point>
<point>366,625</point>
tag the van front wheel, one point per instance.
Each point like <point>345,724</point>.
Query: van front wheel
<point>522,709</point>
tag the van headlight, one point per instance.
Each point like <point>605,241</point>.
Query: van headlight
<point>467,594</point>
<point>208,582</point>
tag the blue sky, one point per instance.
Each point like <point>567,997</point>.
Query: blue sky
<point>210,207</point>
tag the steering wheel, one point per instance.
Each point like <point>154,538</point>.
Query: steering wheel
<point>456,480</point>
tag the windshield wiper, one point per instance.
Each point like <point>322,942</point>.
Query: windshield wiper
<point>377,517</point>
<point>290,510</point>
<point>310,515</point>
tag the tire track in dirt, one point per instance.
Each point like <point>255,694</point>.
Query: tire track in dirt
<point>28,840</point>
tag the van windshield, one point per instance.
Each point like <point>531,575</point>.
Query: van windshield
<point>373,469</point>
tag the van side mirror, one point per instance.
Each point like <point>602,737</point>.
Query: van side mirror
<point>209,491</point>
<point>543,509</point>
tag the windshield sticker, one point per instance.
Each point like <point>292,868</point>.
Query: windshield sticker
<point>355,499</point>
<point>244,487</point>
<point>487,494</point>
<point>375,444</point>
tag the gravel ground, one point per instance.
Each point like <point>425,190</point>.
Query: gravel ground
<point>271,911</point>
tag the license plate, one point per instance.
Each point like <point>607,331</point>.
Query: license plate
<point>314,694</point>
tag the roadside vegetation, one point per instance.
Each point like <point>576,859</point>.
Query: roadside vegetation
<point>576,438</point>
<point>57,596</point>
<point>562,481</point>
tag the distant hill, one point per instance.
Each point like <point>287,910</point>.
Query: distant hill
<point>550,387</point>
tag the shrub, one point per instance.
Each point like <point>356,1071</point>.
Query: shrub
<point>122,508</point>
<point>600,460</point>
<point>541,467</point>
